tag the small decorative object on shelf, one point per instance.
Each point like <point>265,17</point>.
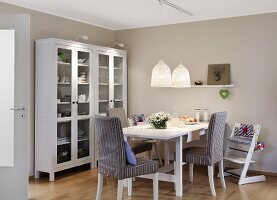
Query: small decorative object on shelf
<point>61,56</point>
<point>198,82</point>
<point>82,60</point>
<point>82,78</point>
<point>224,93</point>
<point>218,74</point>
<point>82,98</point>
<point>158,120</point>
<point>63,157</point>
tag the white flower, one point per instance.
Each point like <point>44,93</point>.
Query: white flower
<point>159,118</point>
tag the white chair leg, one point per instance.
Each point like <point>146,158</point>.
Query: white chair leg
<point>120,189</point>
<point>99,186</point>
<point>155,186</point>
<point>130,181</point>
<point>191,172</point>
<point>211,179</point>
<point>157,152</point>
<point>221,174</point>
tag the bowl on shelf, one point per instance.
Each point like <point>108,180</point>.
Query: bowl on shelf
<point>82,60</point>
<point>198,82</point>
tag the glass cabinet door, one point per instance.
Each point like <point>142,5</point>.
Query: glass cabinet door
<point>83,104</point>
<point>103,93</point>
<point>118,81</point>
<point>64,106</point>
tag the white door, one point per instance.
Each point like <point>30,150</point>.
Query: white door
<point>14,84</point>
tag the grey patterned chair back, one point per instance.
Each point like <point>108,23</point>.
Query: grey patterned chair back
<point>121,114</point>
<point>110,143</point>
<point>216,136</point>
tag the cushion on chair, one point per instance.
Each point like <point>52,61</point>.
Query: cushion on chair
<point>240,140</point>
<point>139,146</point>
<point>196,155</point>
<point>144,166</point>
<point>245,130</point>
<point>130,156</point>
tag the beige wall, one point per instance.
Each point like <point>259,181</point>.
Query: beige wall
<point>249,44</point>
<point>44,26</point>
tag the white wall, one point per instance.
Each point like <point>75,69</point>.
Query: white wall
<point>248,43</point>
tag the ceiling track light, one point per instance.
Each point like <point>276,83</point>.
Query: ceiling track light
<point>172,5</point>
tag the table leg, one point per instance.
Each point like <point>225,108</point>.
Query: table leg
<point>179,167</point>
<point>166,153</point>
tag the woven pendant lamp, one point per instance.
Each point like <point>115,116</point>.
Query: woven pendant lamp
<point>180,77</point>
<point>161,75</point>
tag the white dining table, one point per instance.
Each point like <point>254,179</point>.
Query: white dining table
<point>174,134</point>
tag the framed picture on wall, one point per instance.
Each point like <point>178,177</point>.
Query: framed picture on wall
<point>218,74</point>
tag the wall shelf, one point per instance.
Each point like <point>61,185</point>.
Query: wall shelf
<point>213,86</point>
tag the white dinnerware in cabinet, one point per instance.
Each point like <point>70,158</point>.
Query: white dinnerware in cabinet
<point>64,106</point>
<point>111,78</point>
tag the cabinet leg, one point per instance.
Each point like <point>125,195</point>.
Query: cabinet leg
<point>51,176</point>
<point>92,166</point>
<point>36,174</point>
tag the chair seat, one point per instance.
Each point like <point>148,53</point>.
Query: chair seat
<point>144,166</point>
<point>240,140</point>
<point>196,155</point>
<point>139,146</point>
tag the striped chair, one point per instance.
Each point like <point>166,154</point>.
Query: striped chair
<point>212,153</point>
<point>138,146</point>
<point>112,158</point>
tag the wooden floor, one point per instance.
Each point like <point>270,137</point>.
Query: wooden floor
<point>82,184</point>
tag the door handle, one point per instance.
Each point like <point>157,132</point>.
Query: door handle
<point>18,109</point>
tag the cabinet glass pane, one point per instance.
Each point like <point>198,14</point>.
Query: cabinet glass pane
<point>63,142</point>
<point>118,81</point>
<point>104,65</point>
<point>83,83</point>
<point>64,83</point>
<point>83,138</point>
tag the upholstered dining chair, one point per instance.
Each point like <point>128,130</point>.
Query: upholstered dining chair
<point>138,146</point>
<point>112,158</point>
<point>212,153</point>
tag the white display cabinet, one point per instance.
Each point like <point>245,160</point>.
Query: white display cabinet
<point>64,106</point>
<point>71,81</point>
<point>111,78</point>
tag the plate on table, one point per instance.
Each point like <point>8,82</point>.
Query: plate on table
<point>190,123</point>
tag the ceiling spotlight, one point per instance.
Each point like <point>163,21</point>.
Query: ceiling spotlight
<point>83,37</point>
<point>118,44</point>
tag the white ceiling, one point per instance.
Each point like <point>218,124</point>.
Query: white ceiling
<point>126,14</point>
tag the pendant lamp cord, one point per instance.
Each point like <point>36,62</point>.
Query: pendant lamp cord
<point>161,32</point>
<point>180,35</point>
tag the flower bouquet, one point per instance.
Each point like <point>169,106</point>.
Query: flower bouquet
<point>158,120</point>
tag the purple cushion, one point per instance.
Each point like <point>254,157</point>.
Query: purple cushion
<point>130,156</point>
